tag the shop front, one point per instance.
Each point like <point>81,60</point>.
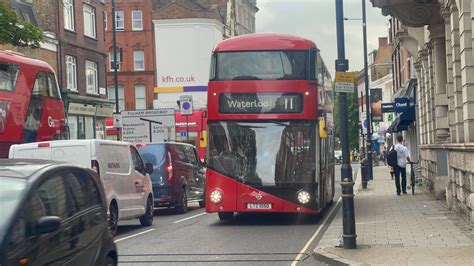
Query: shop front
<point>87,121</point>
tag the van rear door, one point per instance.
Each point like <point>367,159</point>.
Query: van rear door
<point>37,150</point>
<point>157,155</point>
<point>72,151</point>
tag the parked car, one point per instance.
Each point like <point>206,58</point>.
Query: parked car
<point>178,175</point>
<point>53,213</point>
<point>123,174</point>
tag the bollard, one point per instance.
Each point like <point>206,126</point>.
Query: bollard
<point>364,172</point>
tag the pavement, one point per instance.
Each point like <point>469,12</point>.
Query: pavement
<point>404,230</point>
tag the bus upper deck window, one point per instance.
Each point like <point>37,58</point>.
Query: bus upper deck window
<point>8,77</point>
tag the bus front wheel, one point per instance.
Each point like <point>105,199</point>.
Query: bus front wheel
<point>226,216</point>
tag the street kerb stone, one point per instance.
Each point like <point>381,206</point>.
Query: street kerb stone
<point>402,229</point>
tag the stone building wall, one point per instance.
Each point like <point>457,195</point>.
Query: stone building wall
<point>439,36</point>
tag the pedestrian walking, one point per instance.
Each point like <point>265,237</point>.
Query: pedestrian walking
<point>400,167</point>
<point>390,169</point>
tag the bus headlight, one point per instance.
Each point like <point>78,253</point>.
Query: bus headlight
<point>303,197</point>
<point>215,196</point>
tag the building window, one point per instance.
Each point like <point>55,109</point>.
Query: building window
<point>71,73</point>
<point>111,96</point>
<point>119,20</point>
<point>140,97</point>
<point>105,20</point>
<point>89,21</point>
<point>111,59</point>
<point>137,23</point>
<point>138,60</point>
<point>91,77</point>
<point>69,14</point>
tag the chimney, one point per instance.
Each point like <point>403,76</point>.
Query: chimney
<point>383,41</point>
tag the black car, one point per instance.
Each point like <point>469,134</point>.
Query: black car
<point>52,213</point>
<point>178,175</point>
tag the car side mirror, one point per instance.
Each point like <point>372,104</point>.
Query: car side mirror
<point>48,224</point>
<point>149,168</point>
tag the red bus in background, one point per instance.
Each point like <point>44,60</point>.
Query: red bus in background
<point>31,108</point>
<point>197,130</point>
<point>270,129</point>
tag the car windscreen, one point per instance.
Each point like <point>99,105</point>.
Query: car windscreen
<point>262,65</point>
<point>263,153</point>
<point>10,192</point>
<point>154,154</point>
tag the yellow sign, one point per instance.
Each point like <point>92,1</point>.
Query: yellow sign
<point>203,140</point>
<point>345,77</point>
<point>323,133</point>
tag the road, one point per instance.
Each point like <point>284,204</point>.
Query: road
<point>200,238</point>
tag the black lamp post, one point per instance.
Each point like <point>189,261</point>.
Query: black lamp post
<point>115,66</point>
<point>347,183</point>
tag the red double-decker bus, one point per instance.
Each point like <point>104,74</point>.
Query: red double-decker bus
<point>270,127</point>
<point>31,108</point>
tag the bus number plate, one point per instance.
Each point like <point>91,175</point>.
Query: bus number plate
<point>259,206</point>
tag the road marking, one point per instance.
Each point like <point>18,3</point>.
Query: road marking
<point>137,234</point>
<point>302,252</point>
<point>185,219</point>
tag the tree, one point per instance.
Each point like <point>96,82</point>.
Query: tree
<point>352,117</point>
<point>16,31</point>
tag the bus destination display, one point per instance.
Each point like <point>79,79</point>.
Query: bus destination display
<point>260,103</point>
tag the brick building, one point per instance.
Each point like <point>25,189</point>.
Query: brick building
<point>135,37</point>
<point>135,53</point>
<point>80,30</point>
<point>438,34</point>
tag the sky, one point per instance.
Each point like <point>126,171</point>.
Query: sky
<point>316,20</point>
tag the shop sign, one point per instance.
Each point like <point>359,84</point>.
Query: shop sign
<point>388,107</point>
<point>401,104</point>
<point>81,109</point>
<point>105,110</point>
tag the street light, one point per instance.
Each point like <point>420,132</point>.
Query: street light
<point>347,183</point>
<point>114,43</point>
<point>367,96</point>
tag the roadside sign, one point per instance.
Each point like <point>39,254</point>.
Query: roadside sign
<point>117,120</point>
<point>344,82</point>
<point>186,104</point>
<point>147,126</point>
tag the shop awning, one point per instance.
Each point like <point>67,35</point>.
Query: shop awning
<point>403,120</point>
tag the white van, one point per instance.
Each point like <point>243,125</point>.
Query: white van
<point>125,178</point>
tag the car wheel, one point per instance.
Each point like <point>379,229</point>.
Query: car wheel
<point>113,219</point>
<point>147,218</point>
<point>226,216</point>
<point>110,261</point>
<point>182,206</point>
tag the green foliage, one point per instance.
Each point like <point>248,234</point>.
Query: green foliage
<point>16,31</point>
<point>352,116</point>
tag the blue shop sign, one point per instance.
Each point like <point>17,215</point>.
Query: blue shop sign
<point>402,104</point>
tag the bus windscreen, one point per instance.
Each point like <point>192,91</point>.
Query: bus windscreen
<point>264,153</point>
<point>262,65</point>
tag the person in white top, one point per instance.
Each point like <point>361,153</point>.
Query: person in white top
<point>400,168</point>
